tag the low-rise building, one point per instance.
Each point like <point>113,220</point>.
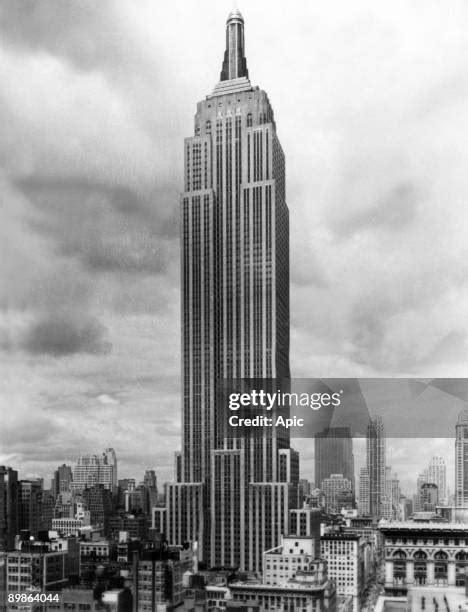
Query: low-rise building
<point>159,578</point>
<point>347,557</point>
<point>419,553</point>
<point>304,593</point>
<point>36,566</point>
<point>295,554</point>
<point>434,599</point>
<point>94,552</point>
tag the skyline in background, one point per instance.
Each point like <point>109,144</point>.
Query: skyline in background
<point>91,170</point>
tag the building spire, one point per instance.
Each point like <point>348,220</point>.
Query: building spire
<point>234,64</point>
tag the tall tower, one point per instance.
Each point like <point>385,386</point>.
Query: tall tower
<point>461,460</point>
<point>234,495</point>
<point>376,465</point>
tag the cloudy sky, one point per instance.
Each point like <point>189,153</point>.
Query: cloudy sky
<point>95,100</point>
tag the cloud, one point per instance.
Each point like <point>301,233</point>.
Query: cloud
<point>393,211</point>
<point>107,228</point>
<point>87,35</point>
<point>64,334</point>
<point>107,399</point>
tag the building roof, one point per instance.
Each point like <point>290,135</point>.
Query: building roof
<point>291,585</point>
<point>341,536</point>
<point>422,526</point>
<point>437,598</point>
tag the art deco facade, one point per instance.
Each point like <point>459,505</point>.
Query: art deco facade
<point>232,495</point>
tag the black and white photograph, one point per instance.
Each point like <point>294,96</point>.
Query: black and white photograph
<point>233,306</point>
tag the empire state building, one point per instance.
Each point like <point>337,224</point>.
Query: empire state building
<point>232,496</point>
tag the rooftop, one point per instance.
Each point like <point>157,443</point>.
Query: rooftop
<point>419,526</point>
<point>433,598</point>
<point>291,585</point>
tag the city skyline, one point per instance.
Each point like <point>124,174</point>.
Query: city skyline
<point>125,473</point>
<point>89,319</point>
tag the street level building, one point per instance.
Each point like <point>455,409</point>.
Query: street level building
<point>348,557</point>
<point>424,553</point>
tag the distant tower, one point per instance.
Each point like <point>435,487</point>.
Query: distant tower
<point>63,477</point>
<point>150,485</point>
<point>338,492</point>
<point>91,470</point>
<point>461,460</point>
<point>437,473</point>
<point>376,465</point>
<point>109,460</point>
<point>364,495</point>
<point>429,497</point>
<point>421,479</point>
<point>392,493</point>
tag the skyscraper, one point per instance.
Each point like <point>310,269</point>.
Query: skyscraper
<point>429,497</point>
<point>150,485</point>
<point>334,487</point>
<point>29,505</point>
<point>62,479</point>
<point>334,454</point>
<point>421,479</point>
<point>376,465</point>
<point>364,495</point>
<point>437,474</point>
<point>234,494</point>
<point>8,507</point>
<point>91,470</point>
<point>461,459</point>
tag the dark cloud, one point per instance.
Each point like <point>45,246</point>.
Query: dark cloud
<point>62,334</point>
<point>107,228</point>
